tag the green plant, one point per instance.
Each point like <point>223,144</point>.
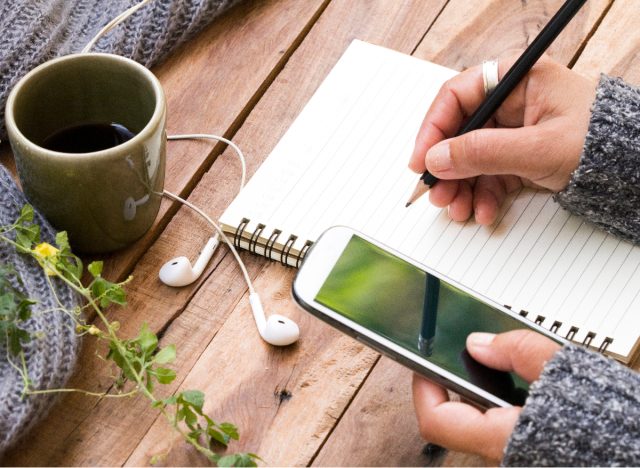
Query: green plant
<point>141,363</point>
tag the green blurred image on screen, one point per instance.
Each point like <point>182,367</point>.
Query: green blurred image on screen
<point>419,312</point>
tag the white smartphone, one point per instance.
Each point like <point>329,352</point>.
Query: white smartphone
<point>408,312</point>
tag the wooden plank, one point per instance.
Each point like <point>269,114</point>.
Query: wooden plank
<point>366,433</point>
<point>237,83</point>
<point>343,21</point>
<point>467,33</point>
<point>615,46</point>
<point>360,440</point>
<point>464,35</point>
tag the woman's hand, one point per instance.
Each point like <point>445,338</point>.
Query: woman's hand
<point>535,138</point>
<point>462,427</point>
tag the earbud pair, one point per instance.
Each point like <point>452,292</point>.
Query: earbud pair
<point>276,330</point>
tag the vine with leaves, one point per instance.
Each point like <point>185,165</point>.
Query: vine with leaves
<point>140,362</point>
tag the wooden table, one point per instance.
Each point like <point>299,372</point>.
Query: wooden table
<point>327,400</point>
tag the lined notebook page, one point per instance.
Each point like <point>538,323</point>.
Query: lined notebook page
<point>344,161</point>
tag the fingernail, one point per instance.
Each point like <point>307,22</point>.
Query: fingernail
<point>439,157</point>
<point>480,339</point>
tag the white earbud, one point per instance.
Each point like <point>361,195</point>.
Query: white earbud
<point>131,206</point>
<point>178,272</point>
<point>276,330</point>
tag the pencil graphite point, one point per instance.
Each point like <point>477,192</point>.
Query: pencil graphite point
<point>420,190</point>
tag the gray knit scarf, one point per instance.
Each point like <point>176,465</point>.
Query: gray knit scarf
<point>51,356</point>
<point>32,32</point>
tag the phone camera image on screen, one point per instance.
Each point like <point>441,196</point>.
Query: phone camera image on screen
<point>419,312</point>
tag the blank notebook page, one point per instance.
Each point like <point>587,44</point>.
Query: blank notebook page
<point>344,161</point>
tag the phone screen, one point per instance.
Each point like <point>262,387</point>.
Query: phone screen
<point>418,312</point>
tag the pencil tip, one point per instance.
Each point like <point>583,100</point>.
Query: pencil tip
<point>421,189</point>
<point>407,205</point>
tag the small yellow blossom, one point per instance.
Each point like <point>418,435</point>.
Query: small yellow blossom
<point>93,330</point>
<point>46,250</point>
<point>46,254</point>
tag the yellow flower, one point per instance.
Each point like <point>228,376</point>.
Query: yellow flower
<point>46,254</point>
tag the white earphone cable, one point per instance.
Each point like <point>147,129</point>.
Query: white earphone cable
<point>204,136</point>
<point>220,232</point>
<point>218,229</point>
<point>113,23</point>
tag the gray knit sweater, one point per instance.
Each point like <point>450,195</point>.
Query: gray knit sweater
<point>585,408</point>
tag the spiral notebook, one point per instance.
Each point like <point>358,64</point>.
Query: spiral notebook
<point>344,161</point>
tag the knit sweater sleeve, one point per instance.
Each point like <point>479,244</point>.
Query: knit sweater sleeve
<point>583,411</point>
<point>605,188</point>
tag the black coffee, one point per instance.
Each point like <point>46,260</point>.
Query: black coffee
<point>88,138</point>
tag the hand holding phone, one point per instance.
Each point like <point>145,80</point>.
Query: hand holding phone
<point>408,312</point>
<point>462,427</point>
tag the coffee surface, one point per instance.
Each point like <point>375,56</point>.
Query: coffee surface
<point>87,138</point>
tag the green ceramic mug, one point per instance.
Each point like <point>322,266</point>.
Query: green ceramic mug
<point>104,199</point>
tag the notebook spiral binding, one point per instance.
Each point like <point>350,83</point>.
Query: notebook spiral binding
<point>284,256</point>
<point>570,335</point>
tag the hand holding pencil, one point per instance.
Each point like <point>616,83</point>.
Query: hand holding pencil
<point>534,138</point>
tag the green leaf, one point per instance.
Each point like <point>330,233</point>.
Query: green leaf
<point>164,376</point>
<point>15,309</point>
<point>95,268</point>
<point>166,355</point>
<point>237,459</point>
<point>26,215</point>
<point>24,309</point>
<point>62,241</point>
<point>194,398</point>
<point>230,430</point>
<point>147,340</point>
<point>107,292</point>
<point>190,418</point>
<point>26,236</point>
<point>218,436</point>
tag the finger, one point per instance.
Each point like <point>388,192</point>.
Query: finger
<point>461,207</point>
<point>431,394</point>
<point>459,426</point>
<point>443,193</point>
<point>457,99</point>
<point>526,152</point>
<point>488,195</point>
<point>523,351</point>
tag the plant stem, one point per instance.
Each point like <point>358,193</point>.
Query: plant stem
<point>85,392</point>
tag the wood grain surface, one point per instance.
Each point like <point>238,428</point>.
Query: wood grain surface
<point>326,400</point>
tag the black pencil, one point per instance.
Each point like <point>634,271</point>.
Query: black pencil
<point>510,80</point>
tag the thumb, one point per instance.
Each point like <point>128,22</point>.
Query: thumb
<point>524,152</point>
<point>523,351</point>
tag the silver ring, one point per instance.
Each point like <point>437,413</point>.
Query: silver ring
<point>489,76</point>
